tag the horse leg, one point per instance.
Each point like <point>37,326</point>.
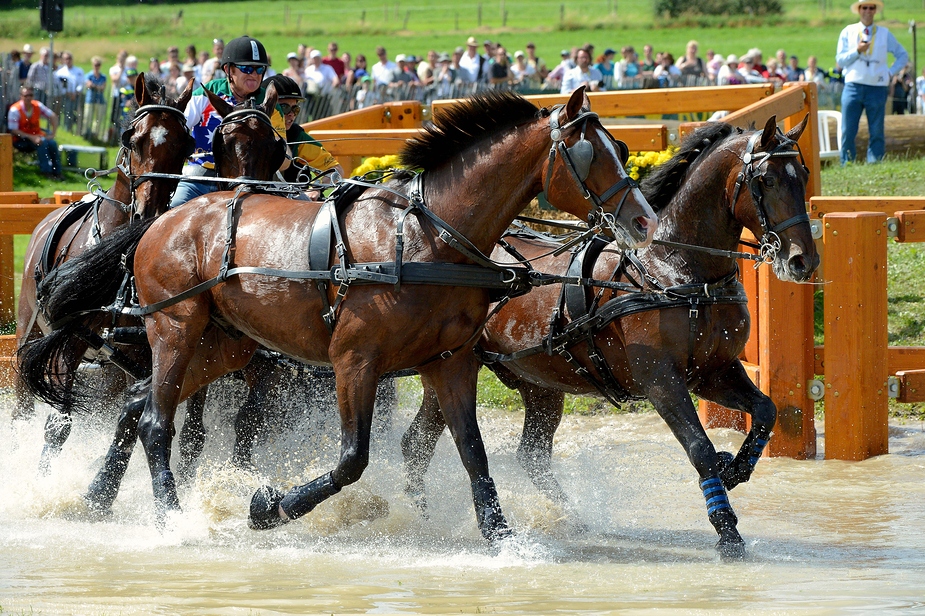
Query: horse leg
<point>193,434</point>
<point>418,444</point>
<point>356,393</point>
<point>668,393</point>
<point>542,414</point>
<point>455,382</point>
<point>262,376</point>
<point>105,486</point>
<point>57,430</point>
<point>733,389</point>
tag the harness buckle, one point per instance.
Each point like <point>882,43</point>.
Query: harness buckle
<point>446,354</point>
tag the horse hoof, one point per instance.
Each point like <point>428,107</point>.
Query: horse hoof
<point>497,535</point>
<point>731,550</point>
<point>264,513</point>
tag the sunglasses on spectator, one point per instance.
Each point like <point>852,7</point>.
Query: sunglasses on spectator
<point>867,8</point>
<point>247,70</point>
<point>287,108</point>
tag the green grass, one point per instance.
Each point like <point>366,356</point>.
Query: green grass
<point>99,27</point>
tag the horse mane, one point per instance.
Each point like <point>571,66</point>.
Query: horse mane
<point>665,180</point>
<point>458,127</point>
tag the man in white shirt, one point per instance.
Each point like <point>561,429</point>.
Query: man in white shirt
<point>471,62</point>
<point>862,51</point>
<point>384,70</point>
<point>320,73</point>
<point>212,68</point>
<point>71,79</point>
<point>582,74</point>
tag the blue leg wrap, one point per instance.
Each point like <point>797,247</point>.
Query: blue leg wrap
<point>715,495</point>
<point>757,447</point>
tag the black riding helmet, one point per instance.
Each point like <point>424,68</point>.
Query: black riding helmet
<point>246,51</point>
<point>285,86</point>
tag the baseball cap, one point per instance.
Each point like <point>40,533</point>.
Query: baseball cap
<point>315,53</point>
<point>565,52</point>
<point>27,48</point>
<point>401,57</point>
<point>292,56</point>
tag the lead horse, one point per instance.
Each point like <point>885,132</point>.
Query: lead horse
<point>414,239</point>
<point>156,141</point>
<point>683,327</point>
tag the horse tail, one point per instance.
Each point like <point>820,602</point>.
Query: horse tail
<point>71,296</point>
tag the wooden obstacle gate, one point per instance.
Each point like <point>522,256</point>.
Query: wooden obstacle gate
<point>861,372</point>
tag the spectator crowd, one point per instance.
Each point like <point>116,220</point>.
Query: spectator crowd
<point>93,102</point>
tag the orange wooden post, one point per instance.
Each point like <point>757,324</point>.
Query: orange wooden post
<point>713,415</point>
<point>6,162</point>
<point>856,369</point>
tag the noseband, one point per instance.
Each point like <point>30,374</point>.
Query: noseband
<point>770,243</point>
<point>577,159</point>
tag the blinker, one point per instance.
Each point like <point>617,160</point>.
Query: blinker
<point>581,155</point>
<point>127,138</point>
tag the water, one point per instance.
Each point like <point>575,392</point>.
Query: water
<point>824,537</point>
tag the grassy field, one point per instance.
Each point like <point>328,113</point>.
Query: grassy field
<point>97,27</point>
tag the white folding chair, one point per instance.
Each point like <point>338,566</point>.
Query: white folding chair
<point>826,151</point>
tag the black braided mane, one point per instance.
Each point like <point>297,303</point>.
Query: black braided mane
<point>458,127</point>
<point>665,180</point>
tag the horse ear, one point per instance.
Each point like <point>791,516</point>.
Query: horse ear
<point>142,96</point>
<point>270,99</point>
<point>576,102</point>
<point>796,132</point>
<point>185,96</point>
<point>218,103</point>
<point>770,131</point>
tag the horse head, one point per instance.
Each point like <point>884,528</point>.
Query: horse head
<point>157,140</point>
<point>245,144</point>
<point>585,175</point>
<point>769,198</point>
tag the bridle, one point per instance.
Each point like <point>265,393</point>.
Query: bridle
<point>770,242</point>
<point>124,159</point>
<point>577,159</point>
<point>240,116</point>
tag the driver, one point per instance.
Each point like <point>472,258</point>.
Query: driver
<point>244,61</point>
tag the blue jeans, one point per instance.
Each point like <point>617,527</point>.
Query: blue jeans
<point>855,98</point>
<point>190,189</point>
<point>47,153</point>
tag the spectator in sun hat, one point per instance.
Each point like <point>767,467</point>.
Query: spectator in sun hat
<point>523,73</point>
<point>862,51</point>
<point>187,74</point>
<point>294,70</point>
<point>728,74</point>
<point>25,61</point>
<point>244,60</point>
<point>472,63</point>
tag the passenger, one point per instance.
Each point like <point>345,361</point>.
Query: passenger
<point>305,150</point>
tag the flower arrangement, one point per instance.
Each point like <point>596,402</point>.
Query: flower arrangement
<point>377,163</point>
<point>640,164</point>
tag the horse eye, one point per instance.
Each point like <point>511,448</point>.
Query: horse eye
<point>769,181</point>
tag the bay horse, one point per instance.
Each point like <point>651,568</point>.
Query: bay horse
<point>416,240</point>
<point>155,141</point>
<point>155,147</point>
<point>683,329</point>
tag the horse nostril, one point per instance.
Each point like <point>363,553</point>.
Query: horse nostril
<point>797,267</point>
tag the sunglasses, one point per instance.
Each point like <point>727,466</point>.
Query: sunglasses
<point>247,70</point>
<point>867,8</point>
<point>287,108</point>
